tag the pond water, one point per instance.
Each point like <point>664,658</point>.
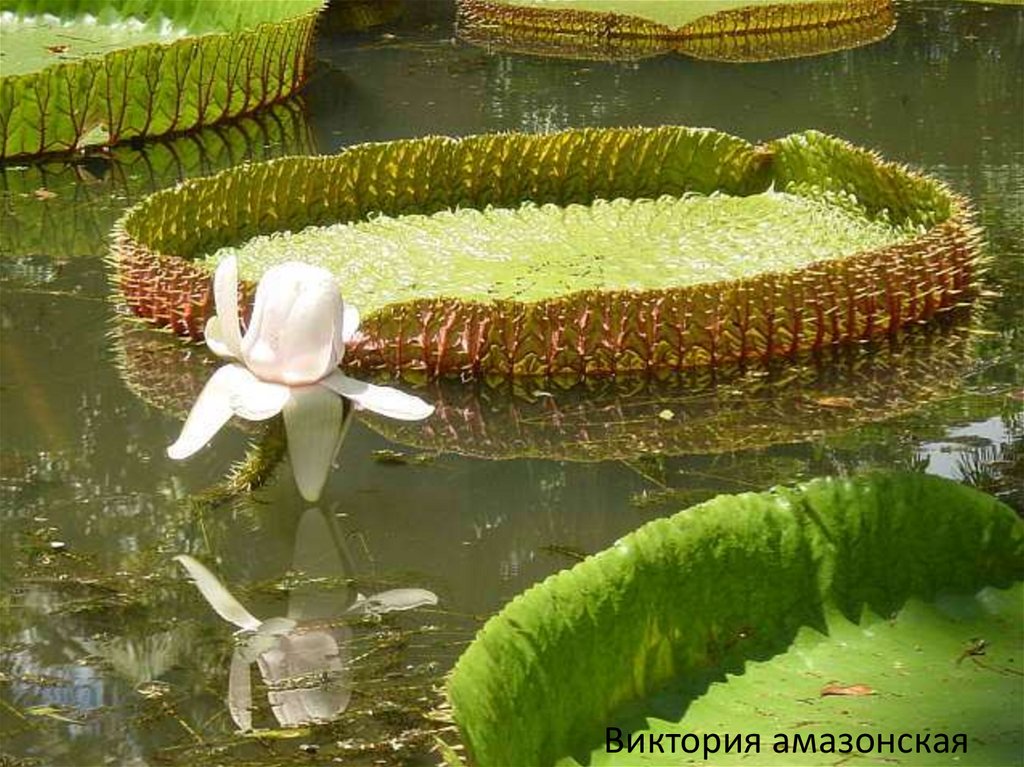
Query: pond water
<point>109,655</point>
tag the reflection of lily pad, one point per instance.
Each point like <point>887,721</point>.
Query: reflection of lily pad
<point>103,71</point>
<point>728,30</point>
<point>692,413</point>
<point>629,323</point>
<point>645,628</point>
<point>343,16</point>
<point>619,419</point>
<point>65,208</point>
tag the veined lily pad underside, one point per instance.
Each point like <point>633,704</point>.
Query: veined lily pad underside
<point>869,596</point>
<point>724,30</point>
<point>98,72</point>
<point>577,254</point>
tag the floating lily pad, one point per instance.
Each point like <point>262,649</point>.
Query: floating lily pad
<point>97,72</point>
<point>840,606</point>
<point>726,30</point>
<point>880,248</point>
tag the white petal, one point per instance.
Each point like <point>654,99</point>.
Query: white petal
<point>392,601</point>
<point>349,323</point>
<point>220,599</point>
<point>295,323</point>
<point>253,399</point>
<point>313,419</point>
<point>240,691</point>
<point>319,554</point>
<point>290,671</point>
<point>275,627</point>
<point>380,399</point>
<point>211,411</point>
<point>225,297</point>
<point>308,337</point>
<point>215,340</point>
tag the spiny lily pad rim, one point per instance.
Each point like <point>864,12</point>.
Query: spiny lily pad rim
<point>871,293</point>
<point>730,579</point>
<point>736,31</point>
<point>669,20</point>
<point>236,58</point>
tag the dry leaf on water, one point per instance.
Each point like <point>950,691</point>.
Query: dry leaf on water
<point>853,689</point>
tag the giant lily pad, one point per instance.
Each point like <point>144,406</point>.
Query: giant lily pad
<point>96,72</point>
<point>726,30</point>
<point>880,247</point>
<point>840,606</point>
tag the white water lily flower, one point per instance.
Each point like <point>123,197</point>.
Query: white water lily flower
<point>287,362</point>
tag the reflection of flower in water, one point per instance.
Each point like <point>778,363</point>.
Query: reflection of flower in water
<point>303,658</point>
<point>287,362</point>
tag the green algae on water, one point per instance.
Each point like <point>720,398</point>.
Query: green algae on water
<point>535,252</point>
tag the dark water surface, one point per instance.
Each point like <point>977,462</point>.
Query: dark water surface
<point>108,655</point>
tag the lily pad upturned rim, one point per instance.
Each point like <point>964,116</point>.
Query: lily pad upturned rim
<point>189,82</point>
<point>710,587</point>
<point>835,301</point>
<point>750,34</point>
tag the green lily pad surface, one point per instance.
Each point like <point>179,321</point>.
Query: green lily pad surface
<point>541,251</point>
<point>30,44</point>
<point>952,667</point>
<point>750,614</point>
<point>98,72</point>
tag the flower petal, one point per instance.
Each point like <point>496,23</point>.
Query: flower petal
<point>380,399</point>
<point>220,599</point>
<point>392,601</point>
<point>320,661</point>
<point>211,411</point>
<point>296,323</point>
<point>276,627</point>
<point>253,399</point>
<point>225,298</point>
<point>308,336</point>
<point>314,420</point>
<point>319,555</point>
<point>240,691</point>
<point>349,323</point>
<point>214,337</point>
